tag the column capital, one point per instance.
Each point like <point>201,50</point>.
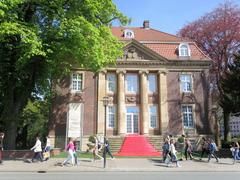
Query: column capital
<point>143,72</point>
<point>103,71</point>
<point>121,71</point>
<point>163,71</point>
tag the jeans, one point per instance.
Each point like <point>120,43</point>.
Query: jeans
<point>235,154</point>
<point>212,153</point>
<point>37,156</point>
<point>70,157</point>
<point>109,152</point>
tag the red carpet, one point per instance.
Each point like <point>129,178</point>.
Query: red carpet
<point>137,145</point>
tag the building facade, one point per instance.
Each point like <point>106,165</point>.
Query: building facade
<point>160,86</point>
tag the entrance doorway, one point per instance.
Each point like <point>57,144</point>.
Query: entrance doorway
<point>132,118</point>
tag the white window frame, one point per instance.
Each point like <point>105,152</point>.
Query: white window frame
<point>188,113</point>
<point>77,82</point>
<point>128,33</point>
<point>155,90</point>
<point>150,116</point>
<point>113,82</point>
<point>184,83</point>
<point>126,84</point>
<point>184,50</point>
<point>109,124</point>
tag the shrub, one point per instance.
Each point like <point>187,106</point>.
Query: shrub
<point>180,139</point>
<point>91,139</point>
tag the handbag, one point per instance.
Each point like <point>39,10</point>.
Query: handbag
<point>46,155</point>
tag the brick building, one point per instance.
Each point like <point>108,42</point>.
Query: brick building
<point>159,87</point>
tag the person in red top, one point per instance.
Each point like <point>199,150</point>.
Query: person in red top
<point>1,146</point>
<point>70,148</point>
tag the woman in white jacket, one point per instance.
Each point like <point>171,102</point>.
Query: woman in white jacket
<point>174,153</point>
<point>37,148</point>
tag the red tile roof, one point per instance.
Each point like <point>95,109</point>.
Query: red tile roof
<point>170,51</point>
<point>162,43</point>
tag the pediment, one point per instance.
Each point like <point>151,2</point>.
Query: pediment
<point>135,51</point>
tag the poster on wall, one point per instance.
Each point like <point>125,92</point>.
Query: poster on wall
<point>74,120</point>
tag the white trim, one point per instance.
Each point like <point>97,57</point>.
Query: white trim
<point>128,33</point>
<point>114,106</point>
<point>181,54</point>
<point>156,87</point>
<point>157,116</point>
<point>191,82</point>
<point>132,119</point>
<point>193,116</point>
<point>82,83</point>
<point>115,83</point>
<point>126,84</point>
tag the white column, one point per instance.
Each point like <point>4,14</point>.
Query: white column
<point>163,103</point>
<point>144,101</point>
<point>121,102</point>
<point>101,94</point>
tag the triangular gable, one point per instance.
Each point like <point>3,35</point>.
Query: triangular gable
<point>134,50</point>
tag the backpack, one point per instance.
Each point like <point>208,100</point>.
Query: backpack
<point>166,147</point>
<point>213,147</point>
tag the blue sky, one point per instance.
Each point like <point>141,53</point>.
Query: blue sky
<point>166,15</point>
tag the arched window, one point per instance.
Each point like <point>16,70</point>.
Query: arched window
<point>184,50</point>
<point>128,33</point>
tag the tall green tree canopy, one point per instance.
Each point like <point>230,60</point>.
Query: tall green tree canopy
<point>41,39</point>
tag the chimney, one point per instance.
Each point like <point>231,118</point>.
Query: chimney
<point>146,24</point>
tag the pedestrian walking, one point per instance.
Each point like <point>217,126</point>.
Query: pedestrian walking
<point>235,151</point>
<point>47,149</point>
<point>75,152</point>
<point>70,150</point>
<point>107,149</point>
<point>204,147</point>
<point>212,150</point>
<point>1,147</point>
<point>188,149</point>
<point>97,147</point>
<point>37,148</point>
<point>166,150</point>
<point>173,154</point>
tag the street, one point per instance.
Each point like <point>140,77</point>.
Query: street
<point>121,175</point>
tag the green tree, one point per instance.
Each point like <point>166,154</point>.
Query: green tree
<point>33,121</point>
<point>42,39</point>
<point>230,84</point>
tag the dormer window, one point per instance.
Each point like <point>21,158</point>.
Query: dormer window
<point>128,33</point>
<point>184,50</point>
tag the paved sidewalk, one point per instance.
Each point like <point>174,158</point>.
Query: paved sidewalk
<point>121,164</point>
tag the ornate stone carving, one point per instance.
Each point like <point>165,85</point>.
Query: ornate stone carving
<point>163,71</point>
<point>131,53</point>
<point>119,71</point>
<point>188,98</point>
<point>131,99</point>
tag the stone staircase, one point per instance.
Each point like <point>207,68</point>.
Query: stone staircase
<point>156,141</point>
<point>115,143</point>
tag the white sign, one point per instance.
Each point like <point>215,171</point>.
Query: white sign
<point>74,120</point>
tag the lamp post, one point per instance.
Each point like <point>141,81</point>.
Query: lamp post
<point>105,103</point>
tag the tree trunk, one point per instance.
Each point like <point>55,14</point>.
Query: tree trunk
<point>227,134</point>
<point>11,134</point>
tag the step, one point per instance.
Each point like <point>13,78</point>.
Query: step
<point>137,145</point>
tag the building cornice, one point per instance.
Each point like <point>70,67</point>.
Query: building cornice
<point>206,64</point>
